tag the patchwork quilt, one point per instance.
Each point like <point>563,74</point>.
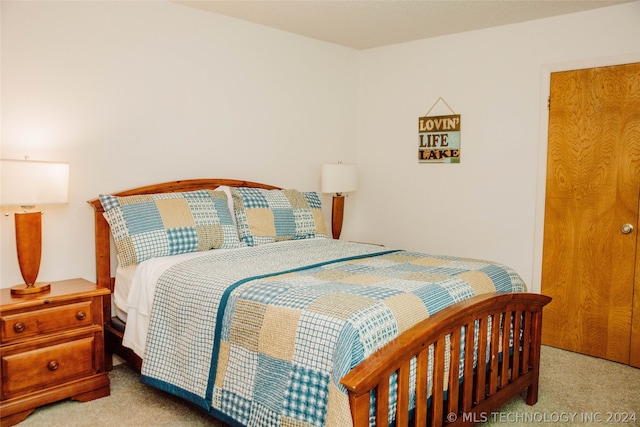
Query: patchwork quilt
<point>261,336</point>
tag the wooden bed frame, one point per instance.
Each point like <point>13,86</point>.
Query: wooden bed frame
<point>462,402</point>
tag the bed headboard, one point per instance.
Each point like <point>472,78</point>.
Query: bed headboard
<point>102,232</point>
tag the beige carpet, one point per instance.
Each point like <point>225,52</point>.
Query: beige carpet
<point>574,390</point>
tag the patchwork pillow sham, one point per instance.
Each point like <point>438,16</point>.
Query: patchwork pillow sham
<point>267,216</point>
<point>154,225</point>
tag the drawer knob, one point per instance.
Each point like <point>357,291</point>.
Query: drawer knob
<point>18,327</point>
<point>81,315</point>
<point>53,365</point>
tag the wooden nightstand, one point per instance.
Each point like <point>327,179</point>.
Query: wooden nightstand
<point>51,348</point>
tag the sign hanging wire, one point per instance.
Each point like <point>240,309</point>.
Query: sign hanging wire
<point>436,103</point>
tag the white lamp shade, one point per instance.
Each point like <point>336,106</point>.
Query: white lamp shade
<point>31,183</point>
<point>339,178</point>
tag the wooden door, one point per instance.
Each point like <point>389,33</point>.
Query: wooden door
<point>593,187</point>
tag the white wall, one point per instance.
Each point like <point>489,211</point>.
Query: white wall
<point>488,206</point>
<point>135,93</point>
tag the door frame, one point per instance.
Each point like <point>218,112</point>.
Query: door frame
<point>541,182</point>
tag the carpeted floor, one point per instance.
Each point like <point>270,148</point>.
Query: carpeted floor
<point>577,390</point>
<point>574,390</point>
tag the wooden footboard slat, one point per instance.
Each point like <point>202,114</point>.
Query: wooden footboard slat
<point>467,386</point>
<point>486,384</point>
<point>505,344</point>
<point>481,374</point>
<point>403,394</point>
<point>454,381</point>
<point>422,376</point>
<point>382,411</point>
<point>494,354</point>
<point>524,362</point>
<point>517,337</point>
<point>438,379</point>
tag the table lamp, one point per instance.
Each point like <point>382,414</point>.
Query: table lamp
<point>29,184</point>
<point>338,178</point>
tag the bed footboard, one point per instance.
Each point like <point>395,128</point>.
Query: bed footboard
<point>447,351</point>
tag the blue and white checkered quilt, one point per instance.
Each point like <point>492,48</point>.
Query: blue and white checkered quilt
<point>261,336</point>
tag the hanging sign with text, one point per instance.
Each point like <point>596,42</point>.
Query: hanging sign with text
<point>439,139</point>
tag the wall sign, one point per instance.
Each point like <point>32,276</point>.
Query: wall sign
<point>439,138</point>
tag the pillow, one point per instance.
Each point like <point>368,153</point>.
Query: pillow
<point>227,191</point>
<point>267,216</point>
<point>154,225</point>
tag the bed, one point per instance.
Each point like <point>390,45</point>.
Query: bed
<point>294,328</point>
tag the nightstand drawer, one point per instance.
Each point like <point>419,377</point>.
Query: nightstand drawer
<point>22,325</point>
<point>47,366</point>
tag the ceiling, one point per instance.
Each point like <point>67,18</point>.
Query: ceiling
<point>365,24</point>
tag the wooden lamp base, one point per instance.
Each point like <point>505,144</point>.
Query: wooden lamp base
<point>337,214</point>
<point>29,245</point>
<point>24,289</point>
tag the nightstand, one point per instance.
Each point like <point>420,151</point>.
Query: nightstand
<point>51,348</point>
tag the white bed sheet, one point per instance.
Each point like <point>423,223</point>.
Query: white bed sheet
<point>124,276</point>
<point>139,292</point>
